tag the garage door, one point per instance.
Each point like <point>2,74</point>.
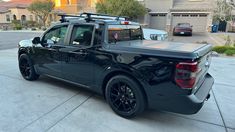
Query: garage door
<point>158,21</point>
<point>198,21</point>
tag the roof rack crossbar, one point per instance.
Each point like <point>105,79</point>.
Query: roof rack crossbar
<point>91,17</point>
<point>63,17</point>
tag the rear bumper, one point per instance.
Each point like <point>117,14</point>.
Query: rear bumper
<point>184,104</point>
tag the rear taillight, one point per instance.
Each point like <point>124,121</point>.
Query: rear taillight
<point>185,75</point>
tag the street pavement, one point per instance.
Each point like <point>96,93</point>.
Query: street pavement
<point>52,105</point>
<point>10,39</point>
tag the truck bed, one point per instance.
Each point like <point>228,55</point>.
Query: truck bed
<point>164,49</point>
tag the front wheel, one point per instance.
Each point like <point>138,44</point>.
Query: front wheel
<point>125,96</point>
<point>26,68</point>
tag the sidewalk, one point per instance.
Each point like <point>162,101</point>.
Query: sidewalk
<point>218,40</point>
<point>220,37</point>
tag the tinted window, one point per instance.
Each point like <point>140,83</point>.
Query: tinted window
<point>124,33</point>
<point>82,35</point>
<point>56,35</point>
<point>183,24</point>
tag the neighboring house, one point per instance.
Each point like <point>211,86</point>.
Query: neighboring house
<point>4,16</point>
<point>230,27</point>
<point>165,14</point>
<point>75,6</point>
<point>17,10</point>
<point>14,10</point>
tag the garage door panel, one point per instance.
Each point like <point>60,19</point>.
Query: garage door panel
<point>199,22</point>
<point>158,21</point>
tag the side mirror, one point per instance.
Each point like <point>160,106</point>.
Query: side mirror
<point>36,40</point>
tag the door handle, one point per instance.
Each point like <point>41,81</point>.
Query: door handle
<point>51,49</point>
<point>81,52</point>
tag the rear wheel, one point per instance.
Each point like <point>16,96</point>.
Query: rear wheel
<point>26,68</point>
<point>125,96</point>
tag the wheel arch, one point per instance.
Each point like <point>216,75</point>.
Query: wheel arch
<point>125,73</point>
<point>22,51</point>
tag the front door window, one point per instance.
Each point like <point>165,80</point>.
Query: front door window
<point>55,36</point>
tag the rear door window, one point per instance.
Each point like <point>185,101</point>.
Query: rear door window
<point>82,35</point>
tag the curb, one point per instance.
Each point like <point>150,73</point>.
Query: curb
<point>20,31</point>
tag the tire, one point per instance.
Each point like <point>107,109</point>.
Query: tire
<point>125,96</point>
<point>26,68</point>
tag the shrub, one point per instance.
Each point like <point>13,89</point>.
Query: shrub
<point>230,52</point>
<point>16,24</point>
<point>33,29</point>
<point>220,49</point>
<point>32,24</point>
<point>18,27</point>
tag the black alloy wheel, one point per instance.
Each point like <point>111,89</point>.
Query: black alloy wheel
<point>125,96</point>
<point>26,68</point>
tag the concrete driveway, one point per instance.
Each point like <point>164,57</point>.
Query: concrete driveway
<point>211,38</point>
<point>52,105</point>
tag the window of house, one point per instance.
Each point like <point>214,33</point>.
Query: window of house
<point>8,19</point>
<point>203,15</point>
<point>185,15</point>
<point>154,14</point>
<point>162,14</point>
<point>176,15</point>
<point>158,15</point>
<point>14,17</point>
<point>194,15</point>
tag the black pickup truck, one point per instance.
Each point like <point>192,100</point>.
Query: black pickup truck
<point>108,55</point>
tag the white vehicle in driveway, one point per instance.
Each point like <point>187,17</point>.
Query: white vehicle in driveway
<point>154,34</point>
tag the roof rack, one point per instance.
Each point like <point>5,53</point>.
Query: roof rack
<point>64,19</point>
<point>91,17</point>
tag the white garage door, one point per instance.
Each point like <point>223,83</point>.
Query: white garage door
<point>198,21</point>
<point>158,21</point>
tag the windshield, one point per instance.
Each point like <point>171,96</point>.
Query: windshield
<point>183,24</point>
<point>119,33</point>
